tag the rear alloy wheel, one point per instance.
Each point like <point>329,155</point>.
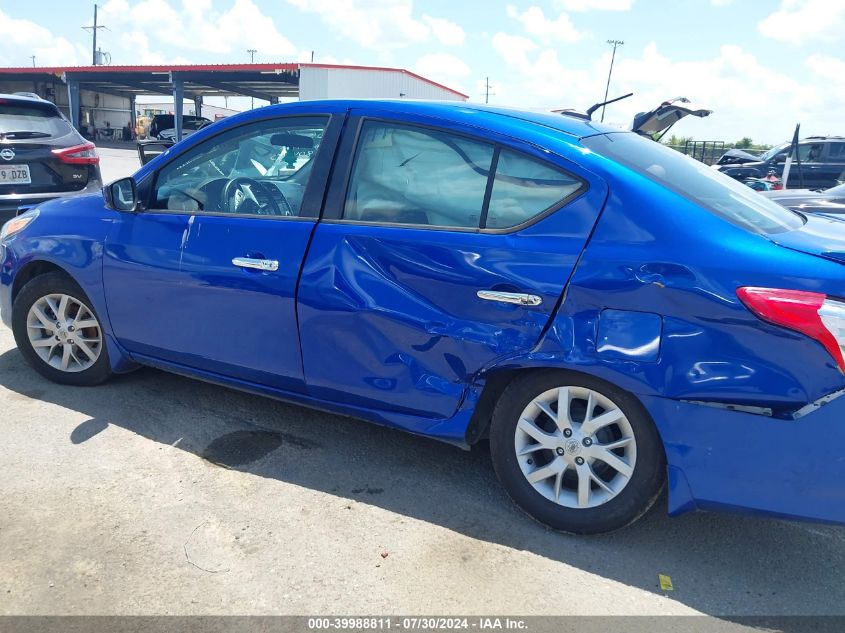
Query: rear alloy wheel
<point>577,454</point>
<point>58,332</point>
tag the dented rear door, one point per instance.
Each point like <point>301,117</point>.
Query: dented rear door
<point>389,303</point>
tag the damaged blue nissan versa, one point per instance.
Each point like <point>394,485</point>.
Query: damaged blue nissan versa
<point>610,314</point>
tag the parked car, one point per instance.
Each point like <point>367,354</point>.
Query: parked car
<point>609,313</point>
<point>822,163</point>
<point>161,123</point>
<point>830,201</point>
<point>41,155</point>
<point>188,127</point>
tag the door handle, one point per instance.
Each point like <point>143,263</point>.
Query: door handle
<point>518,298</point>
<point>270,265</point>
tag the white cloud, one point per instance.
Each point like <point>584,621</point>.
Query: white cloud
<point>379,25</point>
<point>535,22</point>
<point>21,38</point>
<point>448,33</point>
<point>444,68</point>
<point>198,27</point>
<point>442,65</point>
<point>748,97</point>
<point>802,21</point>
<point>595,5</point>
<point>514,49</point>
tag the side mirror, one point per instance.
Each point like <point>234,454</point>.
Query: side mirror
<point>121,195</point>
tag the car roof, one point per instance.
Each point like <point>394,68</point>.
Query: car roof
<point>25,99</point>
<point>478,113</point>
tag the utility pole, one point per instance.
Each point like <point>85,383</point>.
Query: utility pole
<point>487,92</point>
<point>615,43</point>
<point>94,28</point>
<point>252,52</point>
<point>32,57</point>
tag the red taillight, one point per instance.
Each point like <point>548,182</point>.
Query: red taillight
<point>810,313</point>
<point>85,154</point>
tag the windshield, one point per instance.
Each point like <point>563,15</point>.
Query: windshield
<point>31,120</point>
<point>697,182</point>
<point>194,124</point>
<point>770,154</point>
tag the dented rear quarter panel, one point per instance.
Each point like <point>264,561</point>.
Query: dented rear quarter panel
<point>654,252</point>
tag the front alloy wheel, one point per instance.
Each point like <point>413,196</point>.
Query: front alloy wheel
<point>64,332</point>
<point>58,332</point>
<point>576,453</point>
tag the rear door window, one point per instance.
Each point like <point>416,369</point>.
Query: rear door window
<point>423,176</point>
<point>524,188</point>
<point>410,175</point>
<point>836,151</point>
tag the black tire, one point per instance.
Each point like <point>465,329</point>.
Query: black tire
<point>634,500</point>
<point>41,286</point>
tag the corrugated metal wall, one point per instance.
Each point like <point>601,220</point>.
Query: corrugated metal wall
<point>353,83</point>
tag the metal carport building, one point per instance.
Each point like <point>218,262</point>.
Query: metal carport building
<point>99,89</point>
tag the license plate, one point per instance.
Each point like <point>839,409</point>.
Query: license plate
<point>14,175</point>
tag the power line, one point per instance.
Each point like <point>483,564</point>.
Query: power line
<point>610,71</point>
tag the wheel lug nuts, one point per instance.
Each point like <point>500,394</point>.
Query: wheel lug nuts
<point>567,433</point>
<point>70,328</point>
<point>588,441</point>
<point>559,450</point>
<point>579,461</point>
<point>58,338</point>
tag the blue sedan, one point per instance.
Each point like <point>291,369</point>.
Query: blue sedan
<point>608,313</point>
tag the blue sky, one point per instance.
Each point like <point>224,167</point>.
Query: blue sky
<point>761,65</point>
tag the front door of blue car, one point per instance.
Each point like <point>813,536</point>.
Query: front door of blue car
<point>440,252</point>
<point>205,277</point>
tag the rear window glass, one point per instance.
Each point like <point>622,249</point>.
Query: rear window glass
<point>23,120</point>
<point>716,192</point>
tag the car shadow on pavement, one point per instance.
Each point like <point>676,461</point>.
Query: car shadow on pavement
<point>720,564</point>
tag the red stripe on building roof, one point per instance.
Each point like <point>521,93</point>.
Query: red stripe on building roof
<point>283,67</point>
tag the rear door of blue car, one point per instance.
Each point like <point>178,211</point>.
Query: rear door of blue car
<point>443,249</point>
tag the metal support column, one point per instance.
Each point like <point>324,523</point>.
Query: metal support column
<point>198,105</point>
<point>73,101</point>
<point>133,121</point>
<point>178,103</point>
<point>274,100</point>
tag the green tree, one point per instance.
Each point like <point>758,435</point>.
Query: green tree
<point>744,143</point>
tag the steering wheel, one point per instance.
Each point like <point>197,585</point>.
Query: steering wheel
<point>245,186</point>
